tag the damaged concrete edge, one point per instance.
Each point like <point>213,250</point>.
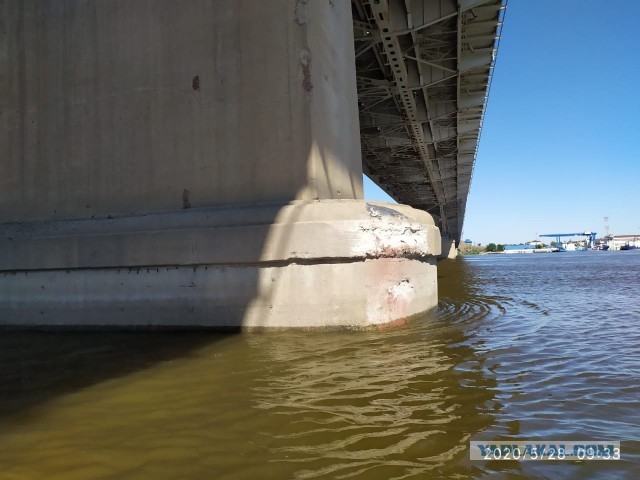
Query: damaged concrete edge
<point>381,211</point>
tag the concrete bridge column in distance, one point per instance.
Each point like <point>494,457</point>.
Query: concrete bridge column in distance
<point>194,164</point>
<point>448,248</point>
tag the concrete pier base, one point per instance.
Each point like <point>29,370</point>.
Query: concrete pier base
<point>331,263</point>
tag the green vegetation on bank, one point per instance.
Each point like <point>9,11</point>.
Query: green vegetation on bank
<point>492,247</point>
<point>469,249</point>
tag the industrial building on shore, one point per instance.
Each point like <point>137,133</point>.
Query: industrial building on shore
<point>619,242</point>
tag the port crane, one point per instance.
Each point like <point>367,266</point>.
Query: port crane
<point>590,238</point>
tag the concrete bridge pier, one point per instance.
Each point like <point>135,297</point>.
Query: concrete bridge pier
<point>448,248</point>
<point>194,164</point>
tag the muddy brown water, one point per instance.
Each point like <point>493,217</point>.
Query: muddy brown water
<point>543,346</point>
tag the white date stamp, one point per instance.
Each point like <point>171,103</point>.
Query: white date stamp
<point>536,450</point>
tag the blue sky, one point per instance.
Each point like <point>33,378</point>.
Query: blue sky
<point>560,146</point>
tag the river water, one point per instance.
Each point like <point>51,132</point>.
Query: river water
<point>543,346</point>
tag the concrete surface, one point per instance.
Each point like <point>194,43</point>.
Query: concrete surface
<point>129,106</point>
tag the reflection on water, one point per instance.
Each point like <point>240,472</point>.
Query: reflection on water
<point>520,347</point>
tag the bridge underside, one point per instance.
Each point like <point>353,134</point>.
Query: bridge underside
<point>423,73</point>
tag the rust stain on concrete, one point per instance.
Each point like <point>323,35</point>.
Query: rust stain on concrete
<point>186,203</point>
<point>305,61</point>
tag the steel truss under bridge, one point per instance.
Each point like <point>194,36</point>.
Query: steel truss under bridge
<point>423,69</point>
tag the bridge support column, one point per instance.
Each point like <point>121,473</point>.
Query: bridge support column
<point>194,164</point>
<point>449,249</point>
